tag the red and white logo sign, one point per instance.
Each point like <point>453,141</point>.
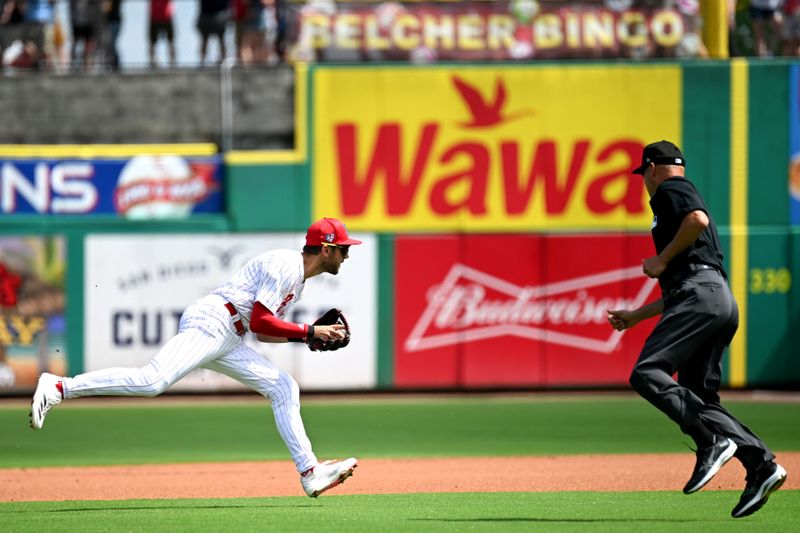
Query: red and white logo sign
<point>162,186</point>
<point>472,305</point>
<point>522,310</point>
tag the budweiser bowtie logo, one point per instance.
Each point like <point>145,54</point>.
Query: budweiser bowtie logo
<point>470,305</point>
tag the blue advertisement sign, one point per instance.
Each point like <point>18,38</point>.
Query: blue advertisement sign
<point>794,145</point>
<point>141,187</point>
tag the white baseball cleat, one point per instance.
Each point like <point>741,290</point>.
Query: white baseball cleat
<point>46,396</point>
<point>327,475</point>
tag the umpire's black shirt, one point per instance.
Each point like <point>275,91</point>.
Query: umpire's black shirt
<point>675,198</point>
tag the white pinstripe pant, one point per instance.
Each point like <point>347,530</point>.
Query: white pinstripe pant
<point>207,339</point>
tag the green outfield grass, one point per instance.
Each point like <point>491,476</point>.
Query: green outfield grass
<point>409,513</point>
<point>161,432</point>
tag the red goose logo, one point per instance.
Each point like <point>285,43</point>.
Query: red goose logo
<point>463,309</point>
<point>483,112</point>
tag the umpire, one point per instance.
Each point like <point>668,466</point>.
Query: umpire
<point>699,317</point>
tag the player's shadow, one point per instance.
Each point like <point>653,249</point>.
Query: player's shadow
<point>557,520</point>
<point>162,507</point>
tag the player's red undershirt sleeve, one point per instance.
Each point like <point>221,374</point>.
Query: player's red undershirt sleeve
<point>264,322</point>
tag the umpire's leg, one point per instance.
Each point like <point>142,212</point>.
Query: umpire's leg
<point>702,375</point>
<point>698,315</point>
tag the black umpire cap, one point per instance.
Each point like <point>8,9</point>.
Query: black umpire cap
<point>661,153</point>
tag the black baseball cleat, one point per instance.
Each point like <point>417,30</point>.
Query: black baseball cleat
<point>709,460</point>
<point>760,484</point>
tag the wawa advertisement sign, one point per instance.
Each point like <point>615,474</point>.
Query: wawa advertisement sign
<point>488,148</point>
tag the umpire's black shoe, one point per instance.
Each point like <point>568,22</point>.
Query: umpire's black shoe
<point>709,460</point>
<point>760,484</point>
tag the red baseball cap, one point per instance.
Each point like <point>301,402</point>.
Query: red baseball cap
<point>328,231</point>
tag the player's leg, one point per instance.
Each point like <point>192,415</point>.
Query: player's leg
<point>190,348</point>
<point>206,331</point>
<point>223,52</point>
<point>183,353</point>
<point>256,372</point>
<point>151,43</point>
<point>246,366</point>
<point>170,30</point>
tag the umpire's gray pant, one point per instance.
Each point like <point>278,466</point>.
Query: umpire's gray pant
<point>699,320</point>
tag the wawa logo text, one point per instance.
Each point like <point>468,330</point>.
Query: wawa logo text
<point>450,173</point>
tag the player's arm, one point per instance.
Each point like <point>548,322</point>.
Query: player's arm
<point>692,225</point>
<point>267,338</point>
<point>269,328</point>
<point>622,319</point>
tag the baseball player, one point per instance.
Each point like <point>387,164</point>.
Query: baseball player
<point>258,297</point>
<point>699,317</point>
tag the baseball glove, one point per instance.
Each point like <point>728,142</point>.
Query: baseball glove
<point>332,316</point>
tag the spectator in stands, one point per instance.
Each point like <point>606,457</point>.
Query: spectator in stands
<point>254,39</point>
<point>213,21</point>
<point>280,30</point>
<point>161,24</point>
<point>11,18</point>
<point>240,24</point>
<point>766,18</point>
<point>791,28</point>
<point>86,20</point>
<point>59,58</point>
<point>691,44</point>
<point>112,16</point>
<point>39,25</point>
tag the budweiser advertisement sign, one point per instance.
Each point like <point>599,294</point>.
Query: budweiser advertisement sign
<point>518,310</point>
<point>428,31</point>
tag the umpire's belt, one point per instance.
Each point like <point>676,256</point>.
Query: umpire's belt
<point>686,271</point>
<point>237,318</point>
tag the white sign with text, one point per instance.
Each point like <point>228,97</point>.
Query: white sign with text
<point>137,285</point>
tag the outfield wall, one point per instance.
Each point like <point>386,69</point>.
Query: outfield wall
<point>495,238</point>
<point>737,122</point>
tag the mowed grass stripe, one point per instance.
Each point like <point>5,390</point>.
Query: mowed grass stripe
<point>140,435</point>
<point>672,512</point>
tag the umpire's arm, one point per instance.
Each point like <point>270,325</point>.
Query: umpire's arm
<point>691,227</point>
<point>623,319</point>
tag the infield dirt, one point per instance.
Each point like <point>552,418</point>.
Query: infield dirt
<point>641,472</point>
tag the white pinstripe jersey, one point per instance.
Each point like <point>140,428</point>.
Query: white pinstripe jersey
<point>274,278</point>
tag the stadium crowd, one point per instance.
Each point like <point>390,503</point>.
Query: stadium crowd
<point>33,35</point>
